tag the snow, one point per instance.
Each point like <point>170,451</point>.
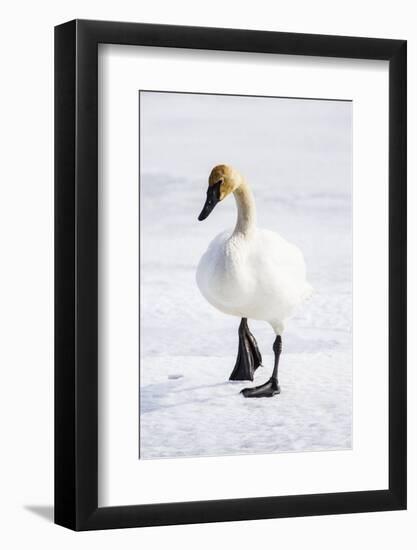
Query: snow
<point>296,155</point>
<point>202,414</point>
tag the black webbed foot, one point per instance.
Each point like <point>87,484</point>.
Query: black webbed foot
<point>269,389</point>
<point>249,357</point>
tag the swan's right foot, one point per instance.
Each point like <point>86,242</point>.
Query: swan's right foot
<point>249,357</point>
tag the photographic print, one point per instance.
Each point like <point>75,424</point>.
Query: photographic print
<point>212,237</point>
<point>245,274</point>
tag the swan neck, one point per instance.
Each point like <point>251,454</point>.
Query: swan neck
<point>246,211</point>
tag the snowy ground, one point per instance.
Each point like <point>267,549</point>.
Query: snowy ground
<point>296,156</point>
<point>202,414</point>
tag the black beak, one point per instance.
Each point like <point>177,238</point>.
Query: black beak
<point>213,197</point>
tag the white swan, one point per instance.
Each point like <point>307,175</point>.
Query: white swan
<point>250,273</point>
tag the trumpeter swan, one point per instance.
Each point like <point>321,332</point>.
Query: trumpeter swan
<point>250,273</point>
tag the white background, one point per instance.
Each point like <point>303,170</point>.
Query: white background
<point>122,478</point>
<point>26,300</point>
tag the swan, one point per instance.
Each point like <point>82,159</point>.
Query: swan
<point>250,273</point>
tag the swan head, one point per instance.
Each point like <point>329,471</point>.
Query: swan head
<point>223,180</point>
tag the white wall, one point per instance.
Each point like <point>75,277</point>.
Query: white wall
<point>26,300</point>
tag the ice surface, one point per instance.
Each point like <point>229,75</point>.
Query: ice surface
<point>203,414</point>
<point>296,155</point>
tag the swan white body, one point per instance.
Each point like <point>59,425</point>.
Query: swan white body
<point>261,277</point>
<point>252,272</point>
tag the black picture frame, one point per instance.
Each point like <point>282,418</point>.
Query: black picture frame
<point>76,272</point>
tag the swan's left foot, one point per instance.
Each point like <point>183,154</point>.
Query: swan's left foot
<point>269,389</point>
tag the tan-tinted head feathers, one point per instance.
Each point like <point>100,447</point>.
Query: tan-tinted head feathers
<point>223,181</point>
<point>227,177</point>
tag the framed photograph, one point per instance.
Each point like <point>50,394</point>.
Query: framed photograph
<point>230,254</point>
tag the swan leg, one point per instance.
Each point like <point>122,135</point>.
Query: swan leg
<point>248,357</point>
<point>271,387</point>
